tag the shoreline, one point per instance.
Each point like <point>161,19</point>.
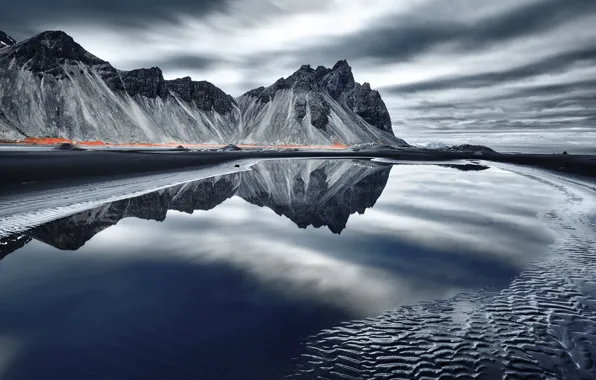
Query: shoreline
<point>20,168</point>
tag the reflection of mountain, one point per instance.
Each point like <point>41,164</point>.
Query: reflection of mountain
<point>308,192</point>
<point>317,193</point>
<point>73,232</point>
<point>10,244</point>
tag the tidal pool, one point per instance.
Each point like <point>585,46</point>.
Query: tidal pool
<point>309,268</point>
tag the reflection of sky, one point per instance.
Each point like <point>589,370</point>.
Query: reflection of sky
<point>241,276</point>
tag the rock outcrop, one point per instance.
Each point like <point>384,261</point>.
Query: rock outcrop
<point>148,83</point>
<point>203,94</point>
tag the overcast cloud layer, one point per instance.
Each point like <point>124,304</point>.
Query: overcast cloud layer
<point>512,74</point>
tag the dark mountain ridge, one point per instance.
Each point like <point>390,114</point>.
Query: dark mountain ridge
<point>50,86</point>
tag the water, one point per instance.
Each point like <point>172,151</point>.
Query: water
<point>303,267</point>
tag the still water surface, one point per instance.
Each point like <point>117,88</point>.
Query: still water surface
<point>228,276</point>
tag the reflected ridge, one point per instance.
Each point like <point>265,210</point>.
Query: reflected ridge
<point>314,193</point>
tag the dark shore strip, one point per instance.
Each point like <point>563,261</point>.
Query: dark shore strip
<point>45,167</point>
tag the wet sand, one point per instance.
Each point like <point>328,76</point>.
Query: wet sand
<point>54,166</point>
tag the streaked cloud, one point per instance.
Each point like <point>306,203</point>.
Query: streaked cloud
<point>460,71</point>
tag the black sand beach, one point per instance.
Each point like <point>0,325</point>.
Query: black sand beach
<point>46,167</point>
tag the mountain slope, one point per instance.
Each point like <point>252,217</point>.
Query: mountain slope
<point>316,106</point>
<point>50,86</point>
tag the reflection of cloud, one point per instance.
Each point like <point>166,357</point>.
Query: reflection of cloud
<point>305,273</point>
<point>492,212</point>
<point>9,349</point>
<point>433,232</point>
<point>460,224</point>
<point>255,245</point>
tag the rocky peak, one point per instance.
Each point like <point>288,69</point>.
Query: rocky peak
<point>149,83</point>
<point>6,40</point>
<point>339,79</point>
<point>48,51</point>
<point>342,65</point>
<point>310,84</point>
<point>203,94</point>
<point>255,92</point>
<point>303,80</point>
<point>320,72</point>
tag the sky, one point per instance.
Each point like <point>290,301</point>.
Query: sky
<point>512,74</point>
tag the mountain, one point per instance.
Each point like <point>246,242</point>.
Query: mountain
<point>308,192</point>
<point>316,106</point>
<point>51,87</point>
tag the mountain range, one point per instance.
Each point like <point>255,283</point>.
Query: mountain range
<point>50,86</point>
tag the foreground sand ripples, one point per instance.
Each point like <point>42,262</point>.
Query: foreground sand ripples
<point>543,326</point>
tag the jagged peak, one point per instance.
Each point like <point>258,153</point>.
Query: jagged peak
<point>339,79</point>
<point>48,50</point>
<point>6,40</point>
<point>153,70</point>
<point>54,39</point>
<point>321,71</point>
<point>54,35</point>
<point>342,65</point>
<point>182,80</point>
<point>255,92</point>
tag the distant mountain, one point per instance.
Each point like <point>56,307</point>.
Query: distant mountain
<point>51,87</point>
<point>309,192</point>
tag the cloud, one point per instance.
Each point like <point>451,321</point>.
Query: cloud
<point>557,63</point>
<point>402,37</point>
<point>439,64</point>
<point>186,62</point>
<point>21,17</point>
